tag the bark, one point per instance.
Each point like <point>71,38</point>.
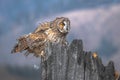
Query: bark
<point>72,63</point>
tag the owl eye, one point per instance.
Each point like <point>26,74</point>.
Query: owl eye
<point>63,27</point>
<point>62,24</point>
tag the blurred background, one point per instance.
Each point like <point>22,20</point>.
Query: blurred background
<point>96,22</point>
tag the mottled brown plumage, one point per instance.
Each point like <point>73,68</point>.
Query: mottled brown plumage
<point>35,42</point>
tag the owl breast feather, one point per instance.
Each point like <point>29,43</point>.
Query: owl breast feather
<point>53,36</point>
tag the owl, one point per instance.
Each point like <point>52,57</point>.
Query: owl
<point>35,43</point>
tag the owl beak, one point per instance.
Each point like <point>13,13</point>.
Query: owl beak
<point>67,29</point>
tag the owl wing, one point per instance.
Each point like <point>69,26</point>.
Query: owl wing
<point>20,45</point>
<point>33,42</point>
<point>30,42</point>
<point>36,39</point>
<point>36,43</point>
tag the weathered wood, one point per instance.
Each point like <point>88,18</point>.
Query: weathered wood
<point>72,63</point>
<point>75,71</point>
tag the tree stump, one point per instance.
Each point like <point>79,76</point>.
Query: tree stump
<point>72,63</point>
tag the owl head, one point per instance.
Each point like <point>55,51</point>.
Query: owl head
<point>62,24</point>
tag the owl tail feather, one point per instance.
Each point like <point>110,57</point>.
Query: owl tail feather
<point>20,46</point>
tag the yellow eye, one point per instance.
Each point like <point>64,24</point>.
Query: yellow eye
<point>62,24</point>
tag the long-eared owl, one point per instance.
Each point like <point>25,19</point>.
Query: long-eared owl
<point>35,42</point>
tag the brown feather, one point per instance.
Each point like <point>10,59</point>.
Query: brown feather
<point>35,42</point>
